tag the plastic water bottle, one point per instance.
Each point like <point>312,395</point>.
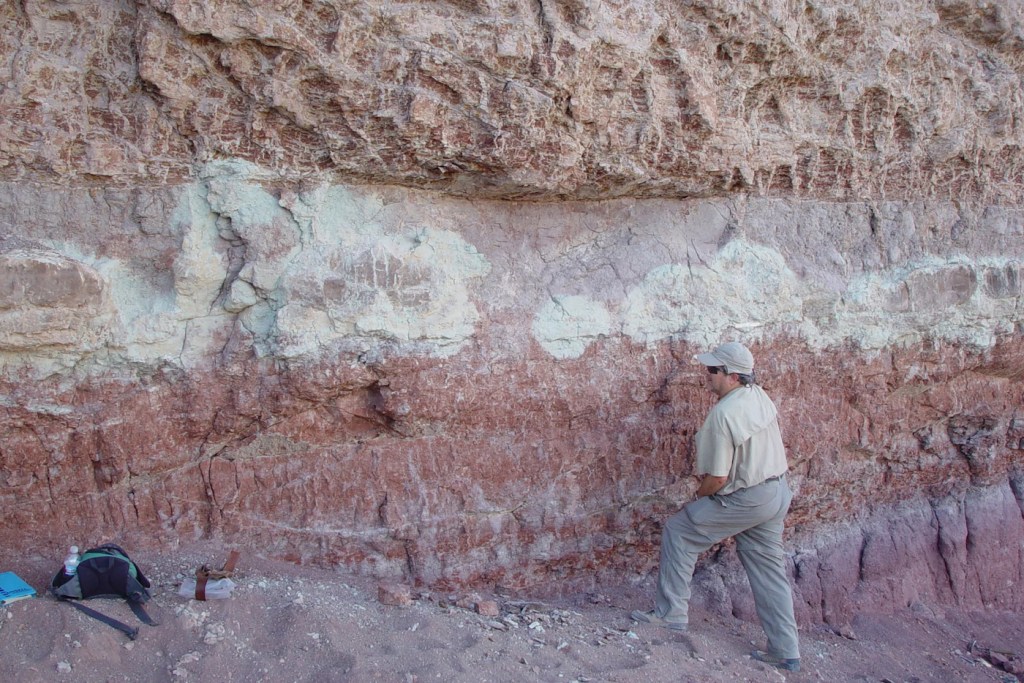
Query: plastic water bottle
<point>71,561</point>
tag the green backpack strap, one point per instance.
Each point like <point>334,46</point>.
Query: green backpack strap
<point>132,633</point>
<point>140,612</point>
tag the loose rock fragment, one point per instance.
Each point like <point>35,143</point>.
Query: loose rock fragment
<point>395,595</point>
<point>488,608</point>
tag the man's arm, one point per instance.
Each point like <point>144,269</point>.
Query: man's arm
<point>710,485</point>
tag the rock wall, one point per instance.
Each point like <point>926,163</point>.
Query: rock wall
<point>414,288</point>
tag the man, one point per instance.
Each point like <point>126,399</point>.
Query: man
<point>743,493</point>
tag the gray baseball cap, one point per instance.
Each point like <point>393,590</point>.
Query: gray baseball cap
<point>735,357</point>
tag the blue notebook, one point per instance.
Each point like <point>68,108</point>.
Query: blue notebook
<point>13,588</point>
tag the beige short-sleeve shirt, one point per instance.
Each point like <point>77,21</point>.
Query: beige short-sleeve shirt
<point>741,440</point>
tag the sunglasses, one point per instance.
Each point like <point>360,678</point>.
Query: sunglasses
<point>715,369</point>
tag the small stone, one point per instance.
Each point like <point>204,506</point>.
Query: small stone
<point>64,667</point>
<point>468,601</point>
<point>394,594</point>
<point>846,631</point>
<point>488,608</point>
<point>215,633</point>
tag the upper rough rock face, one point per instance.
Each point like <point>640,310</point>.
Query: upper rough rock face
<point>514,98</point>
<point>414,287</point>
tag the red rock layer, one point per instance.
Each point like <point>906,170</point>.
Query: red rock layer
<point>516,471</point>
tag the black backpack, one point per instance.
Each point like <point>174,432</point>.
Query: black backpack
<point>105,572</point>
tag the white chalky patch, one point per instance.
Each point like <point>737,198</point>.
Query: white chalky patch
<point>270,233</point>
<point>564,326</point>
<point>180,323</point>
<point>358,280</point>
<point>321,267</point>
<point>932,298</point>
<point>748,292</point>
<point>324,267</point>
<point>335,266</point>
<point>746,289</point>
<point>199,270</point>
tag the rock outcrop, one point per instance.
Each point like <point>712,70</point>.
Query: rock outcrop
<point>414,288</point>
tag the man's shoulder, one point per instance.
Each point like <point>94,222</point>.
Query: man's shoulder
<point>752,394</point>
<point>742,396</point>
<point>745,411</point>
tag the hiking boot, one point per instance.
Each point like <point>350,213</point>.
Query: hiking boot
<point>652,618</point>
<point>777,662</point>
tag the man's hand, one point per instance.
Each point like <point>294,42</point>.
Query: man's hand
<point>710,485</point>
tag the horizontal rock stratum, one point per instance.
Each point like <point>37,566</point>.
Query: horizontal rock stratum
<point>413,288</point>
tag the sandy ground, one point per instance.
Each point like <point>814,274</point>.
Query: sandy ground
<point>289,623</point>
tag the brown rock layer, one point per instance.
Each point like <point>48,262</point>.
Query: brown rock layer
<point>509,98</point>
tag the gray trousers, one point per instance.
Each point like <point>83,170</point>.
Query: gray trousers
<point>755,517</point>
